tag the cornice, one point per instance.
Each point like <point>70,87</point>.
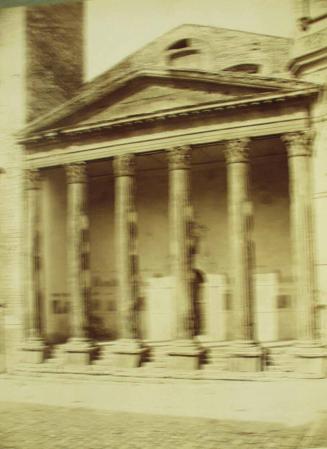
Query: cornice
<point>150,144</point>
<point>313,57</point>
<point>95,90</point>
<point>189,111</point>
<point>308,49</point>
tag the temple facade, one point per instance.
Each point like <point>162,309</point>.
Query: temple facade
<point>174,211</point>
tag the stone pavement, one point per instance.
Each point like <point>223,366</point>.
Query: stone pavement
<point>101,412</point>
<point>29,426</point>
<point>294,402</point>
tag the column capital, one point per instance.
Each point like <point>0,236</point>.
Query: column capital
<point>179,158</point>
<point>298,143</point>
<point>124,165</point>
<point>76,173</point>
<point>33,179</point>
<point>237,150</point>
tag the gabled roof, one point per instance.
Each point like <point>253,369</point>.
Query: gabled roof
<point>148,68</point>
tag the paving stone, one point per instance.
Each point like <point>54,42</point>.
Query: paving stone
<point>24,426</point>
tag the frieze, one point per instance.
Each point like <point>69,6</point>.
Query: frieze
<point>124,165</point>
<point>76,173</point>
<point>298,143</point>
<point>33,179</point>
<point>237,150</point>
<point>179,158</point>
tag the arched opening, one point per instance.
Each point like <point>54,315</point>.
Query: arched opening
<point>185,53</point>
<point>244,68</point>
<point>180,44</point>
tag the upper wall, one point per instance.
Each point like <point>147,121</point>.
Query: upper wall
<point>212,49</point>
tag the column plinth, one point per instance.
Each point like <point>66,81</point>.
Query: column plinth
<point>34,348</point>
<point>184,352</point>
<point>128,351</point>
<point>79,348</point>
<point>309,353</point>
<point>245,353</point>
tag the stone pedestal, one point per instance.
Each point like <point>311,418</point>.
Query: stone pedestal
<point>128,353</point>
<point>79,352</point>
<point>266,310</point>
<point>160,316</point>
<point>184,352</point>
<point>245,357</point>
<point>215,319</point>
<point>184,355</point>
<point>34,351</point>
<point>310,359</point>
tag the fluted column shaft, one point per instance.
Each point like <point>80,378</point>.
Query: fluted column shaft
<point>33,293</point>
<point>77,225</point>
<point>239,214</point>
<point>125,230</point>
<point>180,239</point>
<point>299,159</point>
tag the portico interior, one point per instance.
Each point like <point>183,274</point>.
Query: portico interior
<point>270,196</point>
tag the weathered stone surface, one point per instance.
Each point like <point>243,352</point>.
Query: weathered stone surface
<point>53,72</point>
<point>299,147</point>
<point>269,53</point>
<point>67,426</point>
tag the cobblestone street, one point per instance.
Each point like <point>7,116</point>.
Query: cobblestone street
<point>48,427</point>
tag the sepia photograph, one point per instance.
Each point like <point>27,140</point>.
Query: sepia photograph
<point>163,224</point>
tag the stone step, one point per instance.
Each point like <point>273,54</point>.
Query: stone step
<point>156,364</point>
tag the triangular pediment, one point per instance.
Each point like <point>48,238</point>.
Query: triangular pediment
<point>145,92</point>
<point>151,94</point>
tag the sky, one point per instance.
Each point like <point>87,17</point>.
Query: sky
<point>116,28</point>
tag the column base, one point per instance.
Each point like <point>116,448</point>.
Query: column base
<point>78,351</point>
<point>34,351</point>
<point>184,355</point>
<point>245,357</point>
<point>128,353</point>
<point>310,359</point>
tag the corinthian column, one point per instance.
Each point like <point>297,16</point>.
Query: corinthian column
<point>246,356</point>
<point>78,348</point>
<point>34,348</point>
<point>299,158</point>
<point>128,350</point>
<point>184,353</point>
